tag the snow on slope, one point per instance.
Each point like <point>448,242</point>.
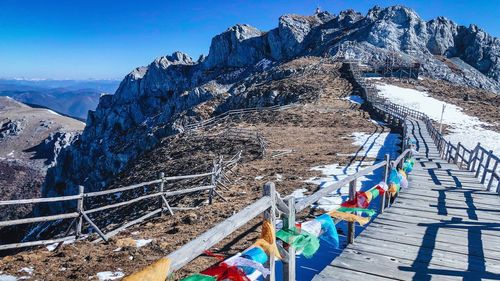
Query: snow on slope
<point>463,128</point>
<point>372,146</point>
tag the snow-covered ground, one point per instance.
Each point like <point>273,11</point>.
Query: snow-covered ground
<point>110,275</point>
<point>463,128</point>
<point>355,99</point>
<point>372,148</point>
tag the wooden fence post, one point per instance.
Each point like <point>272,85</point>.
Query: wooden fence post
<point>386,177</point>
<point>455,160</point>
<point>490,183</point>
<point>213,183</point>
<point>270,215</point>
<point>486,166</point>
<point>289,267</point>
<point>478,171</point>
<point>161,202</point>
<point>472,160</point>
<point>351,227</point>
<point>79,207</point>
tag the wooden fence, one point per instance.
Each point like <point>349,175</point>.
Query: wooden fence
<point>208,123</point>
<point>479,160</point>
<point>272,201</point>
<point>216,177</point>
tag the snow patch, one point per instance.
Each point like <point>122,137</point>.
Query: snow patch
<point>108,275</point>
<point>142,242</point>
<point>355,99</point>
<point>259,178</point>
<point>377,144</point>
<point>372,148</point>
<point>28,270</point>
<point>4,277</point>
<point>279,177</point>
<point>53,112</point>
<point>299,193</point>
<point>463,128</point>
<point>52,247</point>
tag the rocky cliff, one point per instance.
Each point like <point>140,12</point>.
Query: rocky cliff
<point>30,140</point>
<point>155,101</point>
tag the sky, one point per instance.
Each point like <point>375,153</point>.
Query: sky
<point>104,39</point>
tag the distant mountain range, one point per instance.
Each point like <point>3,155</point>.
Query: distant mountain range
<point>69,97</point>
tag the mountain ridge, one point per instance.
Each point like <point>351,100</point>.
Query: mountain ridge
<point>156,100</point>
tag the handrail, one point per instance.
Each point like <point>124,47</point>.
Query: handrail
<point>196,247</point>
<point>401,157</point>
<point>487,163</point>
<point>40,200</point>
<point>313,198</point>
<point>134,186</point>
<point>216,176</point>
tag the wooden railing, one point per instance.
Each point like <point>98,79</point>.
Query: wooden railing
<point>232,113</point>
<point>267,205</point>
<point>479,160</point>
<point>215,178</point>
<point>272,202</point>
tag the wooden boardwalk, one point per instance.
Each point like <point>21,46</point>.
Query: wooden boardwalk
<point>445,226</point>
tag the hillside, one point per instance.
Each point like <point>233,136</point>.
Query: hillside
<point>166,93</point>
<point>324,129</point>
<point>143,129</point>
<point>30,139</point>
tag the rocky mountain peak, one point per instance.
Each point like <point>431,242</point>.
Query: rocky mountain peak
<point>238,46</point>
<point>174,59</point>
<point>153,101</point>
<point>398,14</point>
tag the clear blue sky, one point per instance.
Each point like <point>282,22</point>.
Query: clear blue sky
<point>64,39</point>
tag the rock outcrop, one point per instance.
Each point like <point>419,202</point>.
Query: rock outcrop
<point>30,140</point>
<point>154,101</point>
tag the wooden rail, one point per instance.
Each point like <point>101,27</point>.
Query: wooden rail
<point>234,112</point>
<point>216,177</point>
<point>395,115</point>
<point>483,162</point>
<point>289,208</point>
<point>196,247</point>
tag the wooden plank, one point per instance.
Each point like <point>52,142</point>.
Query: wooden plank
<point>120,189</point>
<point>124,203</point>
<point>459,245</point>
<point>467,212</point>
<point>39,219</point>
<point>422,214</point>
<point>434,198</point>
<point>289,267</point>
<point>384,265</point>
<point>35,243</point>
<point>194,248</point>
<point>134,186</point>
<point>425,255</point>
<point>399,222</point>
<point>485,229</point>
<point>129,224</point>
<point>39,200</point>
<point>449,197</point>
<point>341,274</point>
